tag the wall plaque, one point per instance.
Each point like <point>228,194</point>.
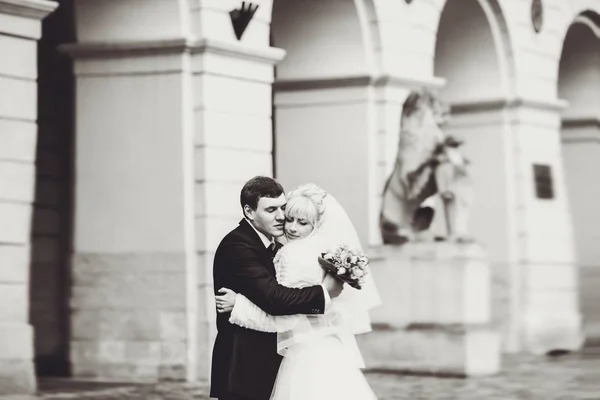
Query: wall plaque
<point>544,185</point>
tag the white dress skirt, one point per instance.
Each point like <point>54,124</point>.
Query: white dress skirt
<point>320,370</point>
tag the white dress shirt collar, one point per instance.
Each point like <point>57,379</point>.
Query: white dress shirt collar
<point>262,236</point>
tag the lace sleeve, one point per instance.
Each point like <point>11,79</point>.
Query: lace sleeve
<point>247,315</point>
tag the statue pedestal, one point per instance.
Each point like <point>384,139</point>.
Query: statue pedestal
<point>435,317</point>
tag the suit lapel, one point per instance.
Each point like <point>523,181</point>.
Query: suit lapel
<point>253,236</point>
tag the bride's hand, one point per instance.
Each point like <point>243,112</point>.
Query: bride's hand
<point>225,300</point>
<point>333,285</point>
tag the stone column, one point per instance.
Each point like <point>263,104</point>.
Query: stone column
<point>20,28</point>
<point>581,152</point>
<point>545,275</point>
<point>233,142</point>
<point>134,294</point>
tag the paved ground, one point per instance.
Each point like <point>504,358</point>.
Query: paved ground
<point>570,377</point>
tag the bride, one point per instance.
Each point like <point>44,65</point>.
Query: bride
<point>321,359</point>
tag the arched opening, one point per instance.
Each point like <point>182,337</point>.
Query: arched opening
<point>324,41</point>
<point>466,54</point>
<point>578,83</point>
<point>470,54</point>
<point>51,234</point>
<point>322,108</point>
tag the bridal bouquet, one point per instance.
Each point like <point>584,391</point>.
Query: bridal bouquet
<point>348,265</point>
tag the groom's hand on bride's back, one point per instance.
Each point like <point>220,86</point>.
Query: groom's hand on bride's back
<point>333,285</point>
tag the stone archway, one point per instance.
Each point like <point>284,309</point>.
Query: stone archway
<point>578,82</point>
<point>323,101</point>
<point>473,56</point>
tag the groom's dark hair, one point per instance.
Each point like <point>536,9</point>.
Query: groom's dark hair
<point>257,187</point>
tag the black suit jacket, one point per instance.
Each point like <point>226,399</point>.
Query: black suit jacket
<point>245,362</point>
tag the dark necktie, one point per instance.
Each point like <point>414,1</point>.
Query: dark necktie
<point>272,250</point>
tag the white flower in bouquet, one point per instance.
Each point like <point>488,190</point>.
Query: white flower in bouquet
<point>347,264</point>
<point>358,272</point>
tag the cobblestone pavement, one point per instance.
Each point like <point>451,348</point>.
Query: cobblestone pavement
<point>570,377</point>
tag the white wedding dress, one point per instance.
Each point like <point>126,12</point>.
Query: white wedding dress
<point>321,358</point>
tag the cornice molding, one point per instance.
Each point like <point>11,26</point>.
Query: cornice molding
<point>410,82</point>
<point>500,104</point>
<point>123,49</point>
<point>268,55</point>
<point>357,81</point>
<point>296,85</point>
<point>581,129</point>
<point>33,9</point>
<point>128,49</point>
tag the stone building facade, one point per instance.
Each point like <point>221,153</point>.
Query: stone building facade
<point>127,128</point>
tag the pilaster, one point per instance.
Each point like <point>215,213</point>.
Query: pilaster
<point>580,138</point>
<point>551,316</point>
<point>134,298</point>
<point>20,28</point>
<point>233,141</point>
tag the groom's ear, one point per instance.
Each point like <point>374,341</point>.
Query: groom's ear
<point>248,212</point>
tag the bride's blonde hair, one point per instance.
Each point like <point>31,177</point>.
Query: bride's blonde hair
<point>306,201</point>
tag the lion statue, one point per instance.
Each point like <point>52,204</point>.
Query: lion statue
<point>428,164</point>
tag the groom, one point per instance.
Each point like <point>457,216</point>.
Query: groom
<point>245,362</point>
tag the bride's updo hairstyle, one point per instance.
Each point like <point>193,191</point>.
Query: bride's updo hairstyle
<point>307,202</point>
